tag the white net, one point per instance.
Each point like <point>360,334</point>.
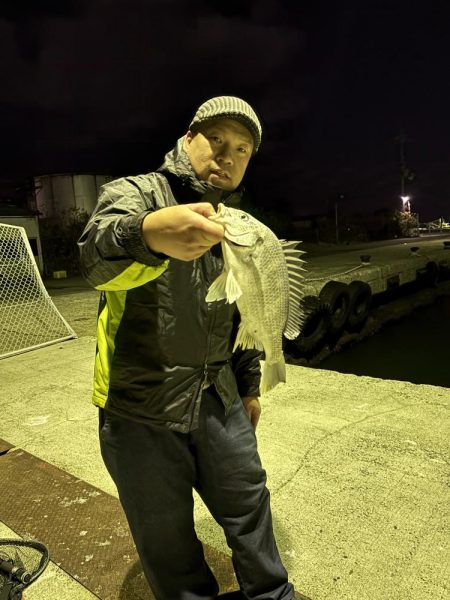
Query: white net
<point>28,317</point>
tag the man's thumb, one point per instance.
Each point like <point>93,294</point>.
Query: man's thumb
<point>203,208</point>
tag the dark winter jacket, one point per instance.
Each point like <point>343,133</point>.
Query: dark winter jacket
<point>158,341</point>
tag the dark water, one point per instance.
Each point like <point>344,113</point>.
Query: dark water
<point>415,349</point>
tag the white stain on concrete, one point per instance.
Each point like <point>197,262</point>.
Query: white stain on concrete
<point>38,420</point>
<point>65,502</point>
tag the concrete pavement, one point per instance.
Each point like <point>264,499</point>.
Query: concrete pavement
<point>358,468</point>
<point>387,260</point>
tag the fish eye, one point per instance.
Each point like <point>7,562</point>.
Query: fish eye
<point>244,217</point>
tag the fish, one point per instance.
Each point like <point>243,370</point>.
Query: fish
<point>263,275</point>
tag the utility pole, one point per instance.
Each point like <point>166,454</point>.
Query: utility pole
<point>402,138</point>
<point>402,162</point>
<point>340,198</point>
<point>336,220</point>
<point>405,173</point>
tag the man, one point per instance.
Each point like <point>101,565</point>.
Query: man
<point>178,408</point>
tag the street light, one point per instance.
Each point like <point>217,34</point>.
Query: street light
<point>406,203</point>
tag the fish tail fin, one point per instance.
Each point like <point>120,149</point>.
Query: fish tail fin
<point>272,374</point>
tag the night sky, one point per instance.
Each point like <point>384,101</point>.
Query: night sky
<point>107,87</point>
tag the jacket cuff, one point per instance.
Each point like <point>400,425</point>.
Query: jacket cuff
<point>133,242</point>
<point>245,391</point>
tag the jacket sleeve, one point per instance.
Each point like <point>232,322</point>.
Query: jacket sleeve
<point>113,253</point>
<point>246,366</point>
<point>247,370</point>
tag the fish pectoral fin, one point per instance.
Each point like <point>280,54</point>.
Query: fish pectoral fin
<point>232,288</point>
<point>217,290</point>
<point>272,375</point>
<point>225,287</point>
<point>246,340</point>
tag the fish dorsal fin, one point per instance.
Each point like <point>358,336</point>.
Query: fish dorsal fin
<point>295,272</point>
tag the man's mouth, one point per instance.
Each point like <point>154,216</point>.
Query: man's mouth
<point>220,173</point>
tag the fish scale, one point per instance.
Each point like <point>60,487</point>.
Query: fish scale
<point>263,275</point>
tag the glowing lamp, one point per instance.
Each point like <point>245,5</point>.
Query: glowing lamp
<point>406,204</point>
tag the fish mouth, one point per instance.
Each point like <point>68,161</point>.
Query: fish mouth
<point>232,243</point>
<point>237,243</point>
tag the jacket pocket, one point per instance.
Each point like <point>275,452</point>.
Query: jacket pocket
<point>226,386</point>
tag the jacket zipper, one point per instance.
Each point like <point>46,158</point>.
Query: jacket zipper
<point>212,322</point>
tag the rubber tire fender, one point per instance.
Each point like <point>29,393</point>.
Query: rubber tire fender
<point>336,295</point>
<point>428,275</point>
<point>360,300</point>
<point>314,327</point>
<point>432,277</point>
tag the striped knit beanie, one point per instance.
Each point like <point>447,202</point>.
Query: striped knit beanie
<point>232,108</point>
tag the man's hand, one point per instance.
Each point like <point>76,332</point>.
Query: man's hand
<point>182,231</point>
<point>253,408</point>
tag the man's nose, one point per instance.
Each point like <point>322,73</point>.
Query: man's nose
<point>224,155</point>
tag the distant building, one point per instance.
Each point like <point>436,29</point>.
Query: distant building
<point>56,195</point>
<point>309,221</point>
<point>32,202</point>
<point>21,217</point>
<point>308,227</point>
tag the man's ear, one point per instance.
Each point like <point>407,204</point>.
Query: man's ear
<point>188,139</point>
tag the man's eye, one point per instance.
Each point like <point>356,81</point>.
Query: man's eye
<point>216,139</point>
<point>242,150</point>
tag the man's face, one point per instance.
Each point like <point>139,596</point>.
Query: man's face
<point>220,152</point>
